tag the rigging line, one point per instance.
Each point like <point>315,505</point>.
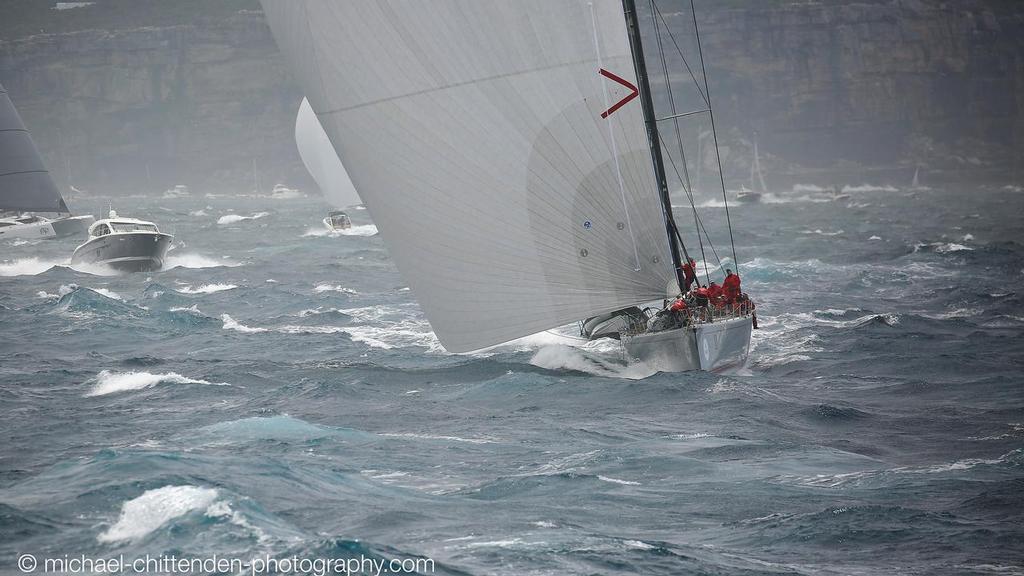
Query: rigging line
<point>672,37</point>
<point>611,135</point>
<point>714,133</point>
<point>679,140</point>
<point>700,222</point>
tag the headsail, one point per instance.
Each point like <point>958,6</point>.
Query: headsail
<point>25,183</point>
<point>321,161</point>
<point>510,178</point>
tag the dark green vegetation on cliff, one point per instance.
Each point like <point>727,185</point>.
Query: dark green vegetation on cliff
<point>138,95</point>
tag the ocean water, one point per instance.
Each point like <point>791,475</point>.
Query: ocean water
<point>277,393</point>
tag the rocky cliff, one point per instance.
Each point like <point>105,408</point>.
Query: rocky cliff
<point>834,89</point>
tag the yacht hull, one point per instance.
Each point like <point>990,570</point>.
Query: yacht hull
<point>46,228</point>
<point>126,252</point>
<point>710,347</point>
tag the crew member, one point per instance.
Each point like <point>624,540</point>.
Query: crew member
<point>715,294</point>
<point>690,273</point>
<point>731,286</point>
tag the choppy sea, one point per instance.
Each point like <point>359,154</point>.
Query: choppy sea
<point>276,392</point>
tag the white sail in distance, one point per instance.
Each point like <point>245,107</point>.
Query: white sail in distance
<point>321,160</point>
<point>510,179</point>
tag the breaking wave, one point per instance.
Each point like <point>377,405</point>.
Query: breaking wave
<point>206,289</point>
<point>155,508</point>
<point>107,382</point>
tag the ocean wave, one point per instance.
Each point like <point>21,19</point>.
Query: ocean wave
<point>206,289</point>
<point>155,508</point>
<point>236,218</point>
<point>231,324</point>
<point>28,266</point>
<point>64,290</point>
<point>324,287</point>
<point>562,357</point>
<point>821,232</point>
<point>107,382</point>
<point>869,188</point>
<point>282,428</point>
<point>436,437</point>
<point>940,247</point>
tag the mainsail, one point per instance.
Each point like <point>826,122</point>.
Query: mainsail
<point>496,147</point>
<point>321,161</point>
<point>25,183</point>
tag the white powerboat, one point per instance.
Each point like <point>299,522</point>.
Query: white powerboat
<point>282,192</point>
<point>124,244</point>
<point>337,220</point>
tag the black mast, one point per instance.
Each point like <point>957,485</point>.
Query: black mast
<point>647,104</point>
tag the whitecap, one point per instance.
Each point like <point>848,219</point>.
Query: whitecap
<point>206,289</point>
<point>310,329</point>
<point>108,294</point>
<point>26,266</point>
<point>231,324</point>
<point>154,508</point>
<point>324,287</point>
<point>436,437</point>
<point>107,382</point>
<point>361,230</point>
<point>194,261</point>
<point>617,481</point>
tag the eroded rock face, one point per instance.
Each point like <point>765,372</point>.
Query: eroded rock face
<point>144,109</point>
<point>830,87</point>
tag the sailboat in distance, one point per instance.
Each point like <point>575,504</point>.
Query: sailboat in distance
<point>26,188</point>
<point>325,167</point>
<point>505,151</point>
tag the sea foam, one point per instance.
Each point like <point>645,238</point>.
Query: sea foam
<point>154,508</point>
<point>108,382</point>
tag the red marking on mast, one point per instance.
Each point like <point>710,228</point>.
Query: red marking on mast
<point>633,94</point>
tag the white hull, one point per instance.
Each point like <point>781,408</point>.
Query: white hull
<point>127,252</point>
<point>46,228</point>
<point>711,346</point>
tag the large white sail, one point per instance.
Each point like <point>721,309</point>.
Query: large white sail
<point>321,161</point>
<point>25,183</point>
<point>512,189</point>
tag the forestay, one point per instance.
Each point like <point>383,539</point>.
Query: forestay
<point>25,183</point>
<point>473,131</point>
<point>321,161</point>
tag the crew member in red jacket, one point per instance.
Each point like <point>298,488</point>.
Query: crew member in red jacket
<point>731,286</point>
<point>715,295</point>
<point>690,272</point>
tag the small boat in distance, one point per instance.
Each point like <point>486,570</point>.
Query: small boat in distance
<point>337,220</point>
<point>179,191</point>
<point>745,196</point>
<point>282,192</point>
<point>124,244</point>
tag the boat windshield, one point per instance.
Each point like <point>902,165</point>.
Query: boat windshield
<point>132,227</point>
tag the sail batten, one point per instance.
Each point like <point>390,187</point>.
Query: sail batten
<point>473,130</point>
